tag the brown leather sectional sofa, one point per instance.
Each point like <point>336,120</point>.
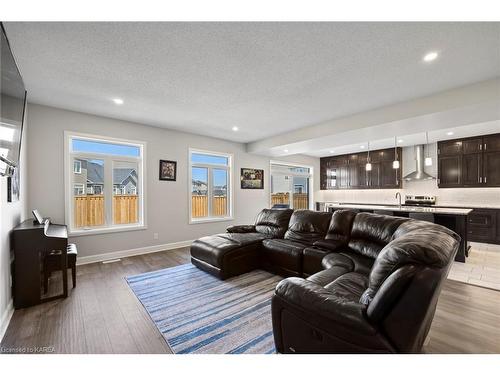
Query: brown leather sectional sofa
<point>357,282</point>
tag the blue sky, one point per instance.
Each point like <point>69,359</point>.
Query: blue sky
<point>81,145</point>
<point>201,175</point>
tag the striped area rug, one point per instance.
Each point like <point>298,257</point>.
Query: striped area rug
<point>198,313</point>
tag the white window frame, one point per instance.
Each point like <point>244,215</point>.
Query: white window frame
<point>288,164</point>
<point>228,167</point>
<point>79,163</point>
<point>69,155</point>
<point>80,185</point>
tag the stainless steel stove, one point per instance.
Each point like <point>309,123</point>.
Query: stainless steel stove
<point>420,200</point>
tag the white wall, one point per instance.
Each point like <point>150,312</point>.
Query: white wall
<point>477,197</point>
<point>167,202</point>
<point>11,214</point>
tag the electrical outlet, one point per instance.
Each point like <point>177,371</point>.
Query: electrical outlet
<point>155,236</point>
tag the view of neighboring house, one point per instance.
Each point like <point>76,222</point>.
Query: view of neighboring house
<point>200,188</point>
<point>88,179</point>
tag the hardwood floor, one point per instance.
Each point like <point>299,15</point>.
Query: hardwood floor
<point>102,315</point>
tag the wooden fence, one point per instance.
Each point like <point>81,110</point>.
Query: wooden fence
<point>89,210</point>
<point>199,206</point>
<point>300,200</point>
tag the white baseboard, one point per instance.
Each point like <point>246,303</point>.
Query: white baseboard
<point>5,318</point>
<point>131,252</point>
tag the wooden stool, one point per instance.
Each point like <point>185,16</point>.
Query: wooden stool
<point>52,262</point>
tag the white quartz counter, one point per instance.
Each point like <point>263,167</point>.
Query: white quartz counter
<point>414,209</point>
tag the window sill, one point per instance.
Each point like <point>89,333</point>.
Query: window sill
<point>210,220</point>
<point>95,231</point>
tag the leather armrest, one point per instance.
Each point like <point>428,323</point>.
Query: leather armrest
<point>330,245</point>
<point>241,229</point>
<point>312,299</point>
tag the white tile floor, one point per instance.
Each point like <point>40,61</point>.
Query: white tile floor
<point>481,268</point>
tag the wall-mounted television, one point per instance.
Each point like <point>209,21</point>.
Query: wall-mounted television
<point>12,106</point>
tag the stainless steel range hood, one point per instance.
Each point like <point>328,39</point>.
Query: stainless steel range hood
<point>419,174</point>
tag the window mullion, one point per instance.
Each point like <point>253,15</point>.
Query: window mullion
<point>108,190</point>
<point>210,192</point>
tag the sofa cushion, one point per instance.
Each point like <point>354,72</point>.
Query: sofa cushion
<point>312,257</point>
<point>370,233</point>
<point>330,245</point>
<point>211,249</point>
<point>283,253</point>
<point>327,276</point>
<point>340,225</point>
<point>273,223</point>
<point>308,226</point>
<point>351,261</point>
<point>349,286</point>
<point>341,282</point>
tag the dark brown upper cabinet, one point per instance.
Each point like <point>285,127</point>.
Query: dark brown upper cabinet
<point>491,168</point>
<point>450,147</point>
<point>492,143</point>
<point>469,162</point>
<point>349,172</point>
<point>450,171</point>
<point>472,172</point>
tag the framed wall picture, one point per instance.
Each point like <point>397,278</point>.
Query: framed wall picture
<point>252,178</point>
<point>168,170</point>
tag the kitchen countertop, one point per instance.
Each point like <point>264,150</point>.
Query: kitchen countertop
<point>451,205</point>
<point>396,208</point>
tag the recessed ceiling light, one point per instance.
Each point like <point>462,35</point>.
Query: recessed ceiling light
<point>285,150</point>
<point>332,151</point>
<point>235,128</point>
<point>431,56</point>
<point>118,101</point>
<point>362,146</point>
<point>449,133</point>
<point>400,141</point>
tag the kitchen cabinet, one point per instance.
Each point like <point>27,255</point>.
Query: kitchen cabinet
<point>472,173</point>
<point>492,143</point>
<point>450,147</point>
<point>450,171</point>
<point>482,225</point>
<point>491,169</point>
<point>349,172</point>
<point>389,177</point>
<point>497,228</point>
<point>469,162</point>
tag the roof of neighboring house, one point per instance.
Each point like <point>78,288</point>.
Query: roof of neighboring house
<point>120,175</point>
<point>95,174</point>
<point>199,184</point>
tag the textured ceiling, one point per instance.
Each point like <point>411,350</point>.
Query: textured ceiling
<point>265,78</point>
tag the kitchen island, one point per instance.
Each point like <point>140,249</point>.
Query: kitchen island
<point>451,218</point>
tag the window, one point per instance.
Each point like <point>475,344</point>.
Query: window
<point>77,166</point>
<point>105,190</point>
<point>210,186</point>
<point>78,189</point>
<point>290,185</point>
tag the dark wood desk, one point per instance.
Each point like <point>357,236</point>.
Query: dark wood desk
<point>30,241</point>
